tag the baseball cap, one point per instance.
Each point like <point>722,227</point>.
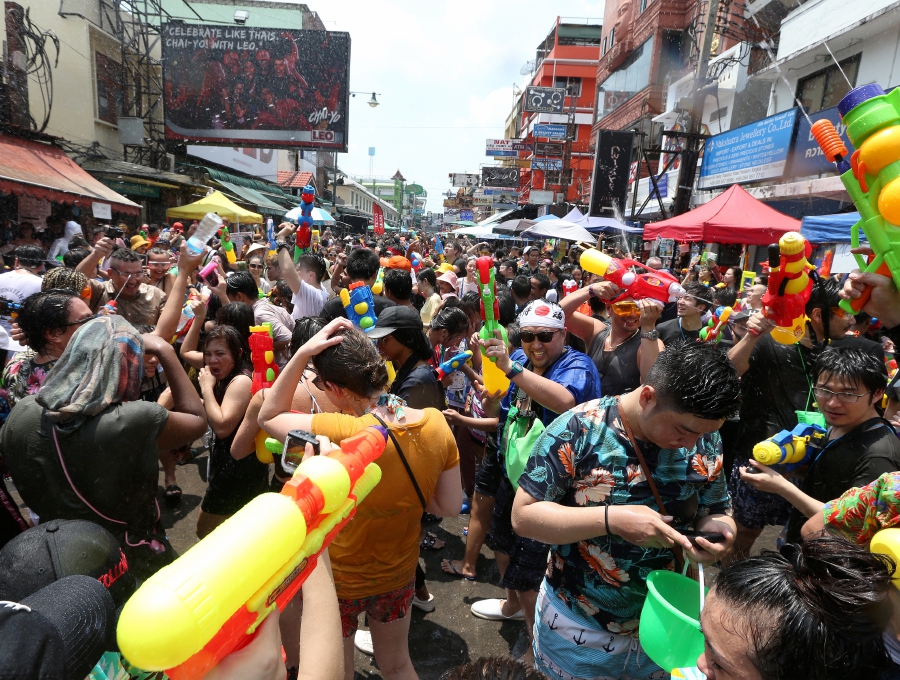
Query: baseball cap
<point>59,548</point>
<point>398,262</point>
<point>395,318</point>
<point>178,226</point>
<point>138,241</point>
<point>61,631</point>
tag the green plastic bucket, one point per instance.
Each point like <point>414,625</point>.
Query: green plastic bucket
<point>670,620</point>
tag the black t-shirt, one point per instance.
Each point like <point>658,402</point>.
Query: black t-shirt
<point>671,331</point>
<point>870,347</point>
<point>460,264</point>
<point>418,386</point>
<point>856,459</point>
<point>334,308</point>
<point>776,384</point>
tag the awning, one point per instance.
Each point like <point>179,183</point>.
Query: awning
<point>252,196</point>
<point>215,203</point>
<point>124,171</point>
<point>43,171</point>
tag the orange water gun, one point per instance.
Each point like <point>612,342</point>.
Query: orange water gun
<point>209,602</point>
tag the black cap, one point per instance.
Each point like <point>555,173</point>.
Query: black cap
<point>395,318</point>
<point>61,631</point>
<point>60,548</point>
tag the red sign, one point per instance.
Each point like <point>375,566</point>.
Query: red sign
<point>377,220</point>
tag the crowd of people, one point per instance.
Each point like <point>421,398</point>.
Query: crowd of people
<point>623,445</point>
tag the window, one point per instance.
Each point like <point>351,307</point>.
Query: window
<point>644,4</point>
<point>571,84</point>
<point>626,81</point>
<point>826,88</point>
<point>612,37</point>
<point>604,45</point>
<point>109,88</point>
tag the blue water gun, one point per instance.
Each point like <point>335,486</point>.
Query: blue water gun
<point>453,364</point>
<point>359,305</point>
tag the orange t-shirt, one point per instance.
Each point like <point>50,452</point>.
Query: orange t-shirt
<point>378,550</point>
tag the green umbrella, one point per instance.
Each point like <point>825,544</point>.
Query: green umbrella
<point>465,223</point>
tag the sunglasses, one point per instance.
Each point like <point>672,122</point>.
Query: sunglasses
<point>625,309</point>
<point>81,321</point>
<point>254,266</point>
<point>839,312</point>
<point>543,336</point>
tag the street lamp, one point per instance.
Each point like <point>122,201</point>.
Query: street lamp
<point>373,102</point>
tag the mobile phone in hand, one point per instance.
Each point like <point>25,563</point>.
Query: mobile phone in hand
<point>295,449</point>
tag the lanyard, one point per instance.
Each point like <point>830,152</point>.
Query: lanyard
<point>809,394</point>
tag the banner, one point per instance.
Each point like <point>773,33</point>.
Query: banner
<point>505,147</point>
<point>459,179</point>
<point>612,165</point>
<point>246,86</point>
<point>500,177</point>
<point>548,149</point>
<point>547,163</point>
<point>377,219</point>
<point>544,99</point>
<point>550,131</point>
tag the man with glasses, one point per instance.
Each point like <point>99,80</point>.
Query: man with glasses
<point>861,445</point>
<point>136,301</point>
<point>776,382</point>
<point>547,378</point>
<point>691,307</point>
<point>158,266</point>
<point>625,347</point>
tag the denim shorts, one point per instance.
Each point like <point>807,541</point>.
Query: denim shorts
<point>527,557</point>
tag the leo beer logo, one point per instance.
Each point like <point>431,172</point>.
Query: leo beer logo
<point>322,136</point>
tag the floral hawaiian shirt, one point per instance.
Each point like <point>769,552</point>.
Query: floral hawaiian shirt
<point>584,459</point>
<point>863,511</point>
<point>22,377</point>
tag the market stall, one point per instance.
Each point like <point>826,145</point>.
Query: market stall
<point>217,203</point>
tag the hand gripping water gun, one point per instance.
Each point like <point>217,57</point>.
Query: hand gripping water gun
<point>789,287</point>
<point>711,332</point>
<point>452,364</point>
<point>495,381</point>
<point>870,177</point>
<point>649,284</point>
<point>227,245</point>
<point>208,603</point>
<point>790,449</point>
<point>359,305</point>
<point>305,221</point>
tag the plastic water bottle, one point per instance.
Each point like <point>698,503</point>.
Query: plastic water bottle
<point>209,225</point>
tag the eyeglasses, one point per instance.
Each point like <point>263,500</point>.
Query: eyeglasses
<point>543,336</point>
<point>126,274</point>
<point>839,312</point>
<point>81,321</point>
<point>625,309</point>
<point>254,266</point>
<point>158,264</point>
<point>824,395</point>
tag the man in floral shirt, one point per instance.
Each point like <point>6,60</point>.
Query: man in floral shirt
<point>584,490</point>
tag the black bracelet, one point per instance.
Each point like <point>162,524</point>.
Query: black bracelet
<point>606,519</point>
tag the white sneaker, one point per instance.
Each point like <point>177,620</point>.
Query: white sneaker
<point>362,640</point>
<point>425,605</point>
<point>492,610</point>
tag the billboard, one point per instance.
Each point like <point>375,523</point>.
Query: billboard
<point>500,177</point>
<point>544,99</point>
<point>750,153</point>
<point>808,158</point>
<point>547,164</point>
<point>505,147</point>
<point>243,86</point>
<point>550,131</point>
<point>548,149</point>
<point>459,179</point>
<point>612,164</point>
<point>251,160</point>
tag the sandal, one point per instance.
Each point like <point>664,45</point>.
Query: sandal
<point>428,542</point>
<point>173,493</point>
<point>448,568</point>
<point>428,518</point>
<point>184,455</point>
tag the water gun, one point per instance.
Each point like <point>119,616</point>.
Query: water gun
<point>305,221</point>
<point>495,381</point>
<point>378,286</point>
<point>790,449</point>
<point>452,364</point>
<point>270,235</point>
<point>208,603</point>
<point>825,268</point>
<point>227,245</point>
<point>569,286</point>
<point>416,261</point>
<point>887,542</point>
<point>359,305</point>
<point>649,284</point>
<point>873,126</point>
<point>185,320</point>
<point>711,332</point>
<point>789,287</point>
<point>10,308</point>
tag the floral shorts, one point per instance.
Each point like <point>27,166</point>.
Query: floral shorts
<point>384,608</point>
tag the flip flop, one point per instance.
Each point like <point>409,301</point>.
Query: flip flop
<point>454,571</point>
<point>173,493</point>
<point>428,542</point>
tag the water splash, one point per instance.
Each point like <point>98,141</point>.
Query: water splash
<point>622,235</point>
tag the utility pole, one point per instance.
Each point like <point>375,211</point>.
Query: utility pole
<point>691,152</point>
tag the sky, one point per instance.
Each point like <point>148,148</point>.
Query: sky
<point>444,73</point>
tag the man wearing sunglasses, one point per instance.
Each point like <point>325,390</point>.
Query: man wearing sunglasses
<point>547,378</point>
<point>861,445</point>
<point>777,381</point>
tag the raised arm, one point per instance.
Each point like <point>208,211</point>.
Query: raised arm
<point>100,251</point>
<point>291,277</point>
<point>757,326</point>
<point>189,353</point>
<point>585,327</point>
<point>167,325</point>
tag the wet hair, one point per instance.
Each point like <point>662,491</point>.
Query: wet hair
<point>78,242</point>
<point>281,289</point>
<point>237,347</point>
<point>824,296</point>
<point>543,282</point>
<point>30,256</point>
<point>700,293</point>
<point>816,611</point>
<point>451,319</point>
<point>304,329</point>
<point>507,306</point>
<point>696,378</point>
<point>238,315</point>
<point>521,286</point>
<point>362,264</point>
<point>511,264</point>
<point>514,335</point>
<point>125,255</point>
<point>65,279</point>
<point>42,312</point>
<point>852,364</point>
<point>353,364</point>
<point>399,283</point>
<point>74,256</point>
<point>315,263</point>
<point>471,303</point>
<point>725,297</point>
<point>738,274</point>
<point>156,250</point>
<point>493,668</point>
<point>242,282</point>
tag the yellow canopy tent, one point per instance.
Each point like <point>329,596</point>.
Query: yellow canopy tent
<point>217,203</point>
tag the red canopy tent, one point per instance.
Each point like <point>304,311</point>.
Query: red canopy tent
<point>732,217</point>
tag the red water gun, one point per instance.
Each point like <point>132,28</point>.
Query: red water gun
<point>789,287</point>
<point>262,354</point>
<point>637,285</point>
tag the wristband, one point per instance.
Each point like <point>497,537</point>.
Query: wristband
<point>752,331</point>
<point>591,292</point>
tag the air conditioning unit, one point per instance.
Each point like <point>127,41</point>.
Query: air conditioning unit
<point>166,163</point>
